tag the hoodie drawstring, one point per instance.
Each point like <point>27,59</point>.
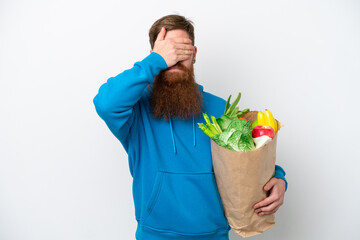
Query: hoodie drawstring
<point>194,133</point>
<point>172,133</point>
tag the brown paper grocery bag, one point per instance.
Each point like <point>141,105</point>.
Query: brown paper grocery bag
<point>240,178</point>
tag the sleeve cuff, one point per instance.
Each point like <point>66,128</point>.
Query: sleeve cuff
<point>159,59</point>
<point>152,65</point>
<point>280,173</point>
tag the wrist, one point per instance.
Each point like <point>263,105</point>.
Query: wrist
<point>283,183</point>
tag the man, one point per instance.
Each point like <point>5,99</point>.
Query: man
<point>153,109</point>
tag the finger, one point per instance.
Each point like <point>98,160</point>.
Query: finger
<point>161,35</point>
<point>269,184</point>
<point>265,202</point>
<point>183,52</point>
<point>267,208</point>
<point>269,212</point>
<point>182,40</point>
<point>183,57</point>
<point>184,46</point>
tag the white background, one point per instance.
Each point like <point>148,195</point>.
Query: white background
<point>63,175</point>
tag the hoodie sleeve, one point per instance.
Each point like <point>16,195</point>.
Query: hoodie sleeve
<point>117,97</point>
<point>280,173</point>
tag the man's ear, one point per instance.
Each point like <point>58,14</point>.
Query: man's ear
<point>195,48</point>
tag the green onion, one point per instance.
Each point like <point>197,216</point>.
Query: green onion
<point>227,104</point>
<point>242,113</point>
<point>233,105</point>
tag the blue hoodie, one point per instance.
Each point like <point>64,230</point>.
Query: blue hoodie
<point>174,189</point>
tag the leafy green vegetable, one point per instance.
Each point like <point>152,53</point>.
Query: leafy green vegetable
<point>246,143</point>
<point>223,122</point>
<point>242,125</point>
<point>238,135</point>
<point>228,130</point>
<point>226,135</point>
<point>220,142</point>
<point>242,113</point>
<point>234,139</point>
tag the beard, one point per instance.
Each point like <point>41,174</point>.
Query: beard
<point>175,94</point>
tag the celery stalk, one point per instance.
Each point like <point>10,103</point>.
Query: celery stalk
<point>216,125</point>
<point>209,124</point>
<point>205,130</point>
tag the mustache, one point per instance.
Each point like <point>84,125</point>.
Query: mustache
<point>180,66</point>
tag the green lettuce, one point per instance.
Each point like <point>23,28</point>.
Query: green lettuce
<point>238,136</point>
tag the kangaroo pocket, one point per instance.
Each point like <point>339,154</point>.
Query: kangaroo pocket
<point>185,203</point>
